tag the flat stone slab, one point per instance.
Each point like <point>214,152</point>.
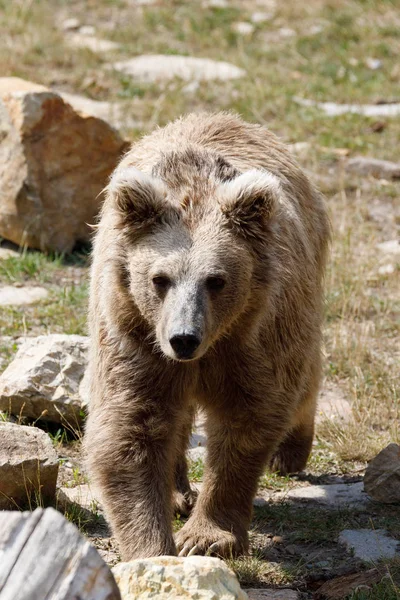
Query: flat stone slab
<point>369,544</point>
<point>259,594</point>
<point>333,495</point>
<point>91,42</point>
<point>28,466</point>
<point>18,296</point>
<point>332,109</point>
<point>158,67</point>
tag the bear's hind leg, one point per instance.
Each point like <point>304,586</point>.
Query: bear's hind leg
<point>294,450</point>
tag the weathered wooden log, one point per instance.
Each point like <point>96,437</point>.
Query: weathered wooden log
<point>44,557</point>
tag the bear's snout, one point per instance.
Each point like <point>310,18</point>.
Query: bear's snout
<point>184,345</point>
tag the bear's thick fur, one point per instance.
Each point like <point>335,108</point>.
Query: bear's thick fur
<point>206,290</point>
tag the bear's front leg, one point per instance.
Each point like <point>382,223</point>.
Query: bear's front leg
<point>130,443</point>
<point>238,451</point>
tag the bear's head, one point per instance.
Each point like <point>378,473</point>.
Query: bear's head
<point>193,235</point>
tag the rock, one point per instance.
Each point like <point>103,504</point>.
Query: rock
<point>152,68</point>
<point>243,28</point>
<point>390,247</point>
<point>71,24</point>
<point>261,17</point>
<point>198,453</point>
<point>333,495</point>
<point>286,32</point>
<point>342,587</point>
<point>28,467</point>
<point>44,556</point>
<point>373,63</point>
<point>43,380</point>
<point>380,169</point>
<point>331,109</point>
<point>90,42</point>
<point>116,113</point>
<point>168,577</point>
<point>382,477</point>
<point>369,544</point>
<point>87,30</point>
<point>16,296</point>
<point>260,594</point>
<point>7,250</point>
<point>386,269</point>
<point>81,497</point>
<point>216,4</point>
<point>54,164</point>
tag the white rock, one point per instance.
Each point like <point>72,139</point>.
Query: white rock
<point>198,453</point>
<point>16,296</point>
<point>43,380</point>
<point>95,44</point>
<point>386,269</point>
<point>151,68</point>
<point>261,17</point>
<point>70,24</point>
<point>170,577</point>
<point>373,63</point>
<point>390,247</point>
<point>116,113</point>
<point>286,32</point>
<point>28,466</point>
<point>332,109</point>
<point>7,252</point>
<point>334,495</point>
<point>216,4</point>
<point>87,30</point>
<point>369,544</point>
<point>243,28</point>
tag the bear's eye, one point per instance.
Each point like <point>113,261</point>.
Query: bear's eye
<point>161,282</point>
<point>215,283</point>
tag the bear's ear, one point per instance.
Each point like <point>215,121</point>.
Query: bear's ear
<point>249,201</point>
<point>138,198</point>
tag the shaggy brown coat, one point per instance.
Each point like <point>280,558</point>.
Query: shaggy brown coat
<point>258,370</point>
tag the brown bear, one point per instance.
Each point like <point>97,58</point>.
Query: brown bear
<point>206,291</point>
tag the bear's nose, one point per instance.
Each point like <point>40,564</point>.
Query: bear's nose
<point>184,345</point>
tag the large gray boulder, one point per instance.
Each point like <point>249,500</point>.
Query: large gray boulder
<point>44,556</point>
<point>46,379</point>
<point>28,467</point>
